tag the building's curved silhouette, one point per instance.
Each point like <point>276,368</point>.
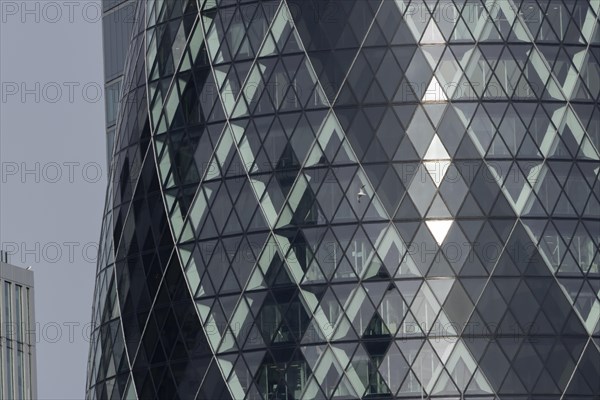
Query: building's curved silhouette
<point>340,199</point>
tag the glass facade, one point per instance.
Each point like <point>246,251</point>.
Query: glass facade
<point>341,199</point>
<point>17,334</point>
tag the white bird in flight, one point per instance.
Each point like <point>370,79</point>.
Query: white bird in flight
<point>361,193</point>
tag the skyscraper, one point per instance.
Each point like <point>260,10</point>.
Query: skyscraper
<point>17,333</point>
<point>339,199</point>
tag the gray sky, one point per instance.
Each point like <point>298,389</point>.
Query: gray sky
<point>52,125</point>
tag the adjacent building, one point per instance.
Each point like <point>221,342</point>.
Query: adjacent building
<point>17,333</point>
<point>117,22</point>
<point>342,199</point>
